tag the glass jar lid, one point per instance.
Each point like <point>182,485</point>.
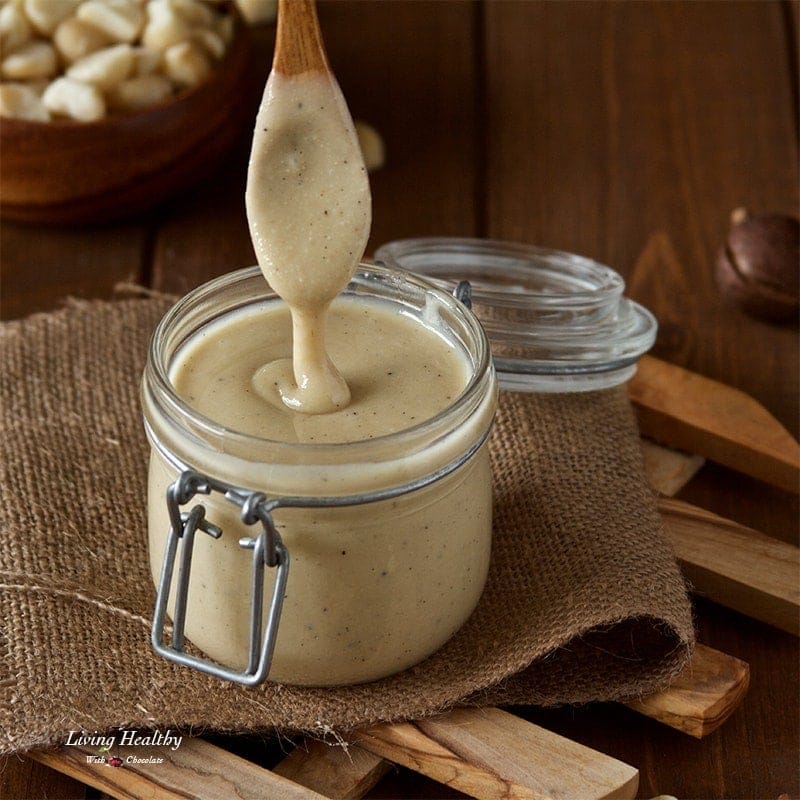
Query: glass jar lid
<point>557,322</point>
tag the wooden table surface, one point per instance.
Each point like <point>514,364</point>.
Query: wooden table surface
<point>622,131</point>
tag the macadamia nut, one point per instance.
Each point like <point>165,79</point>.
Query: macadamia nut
<point>211,41</point>
<point>71,98</point>
<point>121,20</point>
<point>372,147</point>
<point>75,39</point>
<point>258,11</point>
<point>78,58</point>
<point>165,27</point>
<point>198,15</point>
<point>15,30</point>
<point>36,59</point>
<point>186,64</point>
<point>46,14</point>
<point>139,93</point>
<point>105,68</point>
<point>22,102</point>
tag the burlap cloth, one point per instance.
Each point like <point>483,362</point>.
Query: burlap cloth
<point>584,599</point>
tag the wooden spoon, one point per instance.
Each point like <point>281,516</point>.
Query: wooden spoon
<point>299,47</point>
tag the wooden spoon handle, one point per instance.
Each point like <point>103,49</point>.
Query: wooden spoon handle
<point>298,46</point>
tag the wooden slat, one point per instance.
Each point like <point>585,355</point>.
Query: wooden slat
<point>196,769</point>
<point>702,697</point>
<point>333,771</point>
<point>668,470</point>
<point>686,410</point>
<point>729,563</point>
<point>736,566</point>
<point>489,753</point>
<point>486,753</point>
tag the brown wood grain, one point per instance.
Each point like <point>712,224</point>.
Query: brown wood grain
<point>658,277</point>
<point>337,772</point>
<point>24,779</point>
<point>609,123</point>
<point>298,46</point>
<point>40,268</point>
<point>204,233</point>
<point>491,754</point>
<point>735,565</point>
<point>411,69</point>
<point>682,409</point>
<point>196,769</point>
<point>729,563</point>
<point>469,749</point>
<point>593,127</point>
<point>702,697</point>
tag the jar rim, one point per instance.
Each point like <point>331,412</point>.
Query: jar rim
<point>556,321</point>
<point>157,383</point>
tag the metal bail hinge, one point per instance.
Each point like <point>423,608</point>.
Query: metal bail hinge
<point>268,551</point>
<point>463,293</point>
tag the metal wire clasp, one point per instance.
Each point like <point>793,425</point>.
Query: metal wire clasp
<point>268,550</point>
<point>463,293</point>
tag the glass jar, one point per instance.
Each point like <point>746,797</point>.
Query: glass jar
<point>389,538</point>
<point>556,321</point>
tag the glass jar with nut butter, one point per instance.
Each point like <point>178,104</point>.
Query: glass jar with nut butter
<point>384,518</point>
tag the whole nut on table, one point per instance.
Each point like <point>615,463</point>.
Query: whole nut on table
<point>758,267</point>
<point>372,146</point>
<point>257,12</point>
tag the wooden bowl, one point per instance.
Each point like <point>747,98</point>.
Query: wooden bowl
<point>73,172</point>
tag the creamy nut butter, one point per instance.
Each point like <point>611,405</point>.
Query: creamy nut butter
<point>309,210</point>
<point>373,587</point>
<point>400,373</point>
